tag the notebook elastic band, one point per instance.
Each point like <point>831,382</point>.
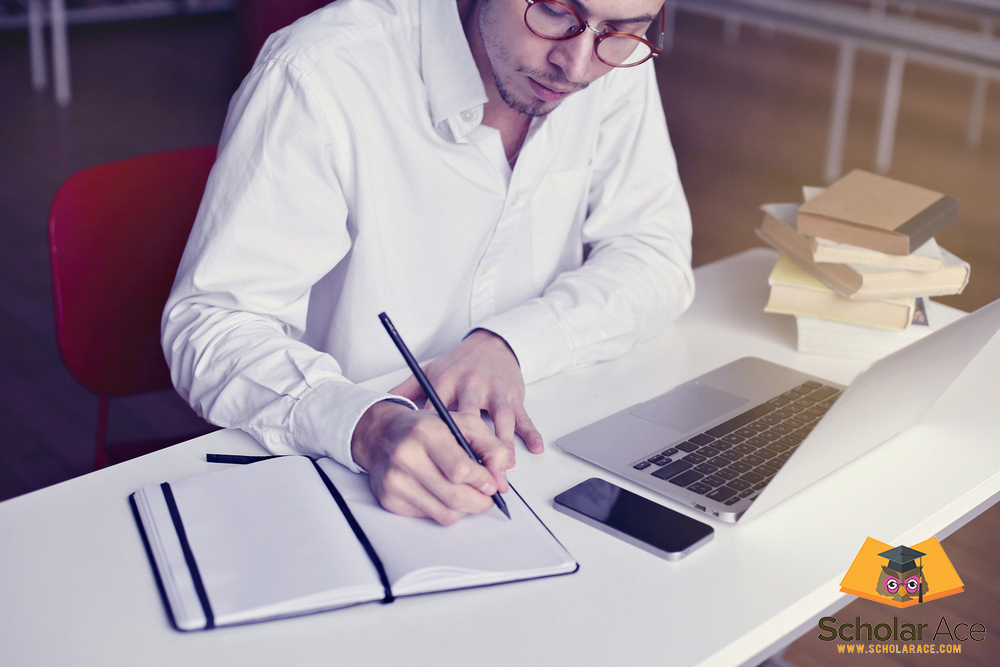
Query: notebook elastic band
<point>362,538</point>
<point>199,587</point>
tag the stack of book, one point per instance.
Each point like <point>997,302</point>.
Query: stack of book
<point>857,258</point>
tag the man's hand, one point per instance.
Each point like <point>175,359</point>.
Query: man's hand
<point>481,373</point>
<point>417,468</point>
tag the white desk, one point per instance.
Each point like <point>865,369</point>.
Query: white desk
<point>76,588</point>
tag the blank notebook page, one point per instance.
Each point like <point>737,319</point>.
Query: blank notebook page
<point>481,549</point>
<point>266,535</point>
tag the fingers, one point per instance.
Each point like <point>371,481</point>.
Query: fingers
<point>526,429</point>
<point>471,402</point>
<point>395,503</point>
<point>493,453</point>
<point>497,460</point>
<point>504,422</point>
<point>417,468</point>
<point>506,409</point>
<point>510,417</point>
<point>508,413</point>
<point>425,492</point>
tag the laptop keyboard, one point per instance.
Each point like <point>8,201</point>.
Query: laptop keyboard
<point>737,458</point>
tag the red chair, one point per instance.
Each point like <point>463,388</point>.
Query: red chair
<point>116,234</point>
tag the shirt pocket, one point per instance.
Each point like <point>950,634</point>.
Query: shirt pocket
<point>557,211</point>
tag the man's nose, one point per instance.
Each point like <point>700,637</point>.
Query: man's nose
<point>574,56</point>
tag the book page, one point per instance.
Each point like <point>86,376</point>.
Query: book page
<point>925,258</point>
<point>951,278</point>
<point>269,540</point>
<point>420,555</point>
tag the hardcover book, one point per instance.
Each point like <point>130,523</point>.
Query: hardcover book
<point>876,212</point>
<point>843,340</point>
<point>925,258</point>
<point>289,536</point>
<point>859,281</point>
<point>794,291</point>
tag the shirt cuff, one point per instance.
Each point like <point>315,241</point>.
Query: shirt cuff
<point>324,419</point>
<point>539,342</point>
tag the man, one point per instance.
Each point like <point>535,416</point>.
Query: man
<point>479,171</point>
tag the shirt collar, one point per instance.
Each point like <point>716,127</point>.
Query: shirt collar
<point>450,74</point>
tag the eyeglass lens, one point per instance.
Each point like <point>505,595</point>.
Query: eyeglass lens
<point>556,21</point>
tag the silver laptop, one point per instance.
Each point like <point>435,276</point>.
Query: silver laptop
<point>739,440</point>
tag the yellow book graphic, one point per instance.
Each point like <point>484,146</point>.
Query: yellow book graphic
<point>901,576</point>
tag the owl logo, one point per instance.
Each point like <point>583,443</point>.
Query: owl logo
<point>903,578</point>
<point>913,575</point>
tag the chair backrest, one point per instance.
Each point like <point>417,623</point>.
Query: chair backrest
<point>116,235</point>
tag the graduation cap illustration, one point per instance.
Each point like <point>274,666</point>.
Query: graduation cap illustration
<point>908,576</point>
<point>899,578</point>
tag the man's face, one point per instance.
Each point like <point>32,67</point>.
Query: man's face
<point>534,74</point>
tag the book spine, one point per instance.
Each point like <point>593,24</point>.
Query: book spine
<point>928,223</point>
<point>840,277</point>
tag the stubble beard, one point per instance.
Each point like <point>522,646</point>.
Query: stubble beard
<point>534,108</point>
<point>537,108</point>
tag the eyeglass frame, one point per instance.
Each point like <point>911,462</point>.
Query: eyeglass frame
<point>654,51</point>
<point>901,583</point>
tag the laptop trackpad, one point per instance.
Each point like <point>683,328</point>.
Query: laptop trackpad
<point>688,408</point>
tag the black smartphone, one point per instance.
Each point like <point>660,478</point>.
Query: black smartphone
<point>640,522</point>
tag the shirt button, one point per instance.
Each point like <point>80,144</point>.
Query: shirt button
<point>516,200</point>
<point>468,115</point>
<point>487,269</point>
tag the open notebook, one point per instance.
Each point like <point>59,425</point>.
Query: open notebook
<point>290,536</point>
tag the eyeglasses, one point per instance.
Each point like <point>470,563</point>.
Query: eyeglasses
<point>550,19</point>
<point>911,585</point>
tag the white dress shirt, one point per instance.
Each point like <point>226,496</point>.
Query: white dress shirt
<point>354,176</point>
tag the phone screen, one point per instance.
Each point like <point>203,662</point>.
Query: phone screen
<point>648,525</point>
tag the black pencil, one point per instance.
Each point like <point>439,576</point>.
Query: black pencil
<point>433,398</point>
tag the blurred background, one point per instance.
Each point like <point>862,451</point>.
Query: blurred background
<point>748,95</point>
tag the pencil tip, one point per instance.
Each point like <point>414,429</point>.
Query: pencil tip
<point>501,504</point>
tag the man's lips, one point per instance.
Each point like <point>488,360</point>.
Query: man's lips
<point>547,94</point>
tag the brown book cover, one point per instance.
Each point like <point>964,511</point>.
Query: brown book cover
<point>858,281</point>
<point>877,212</point>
